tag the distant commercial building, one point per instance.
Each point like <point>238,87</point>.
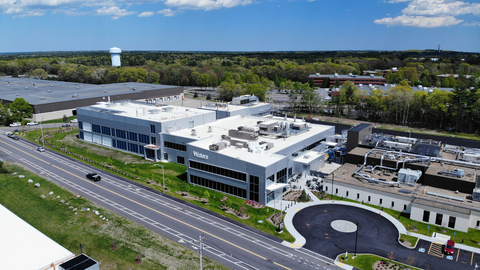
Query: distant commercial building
<point>115,53</point>
<point>383,71</point>
<point>243,105</point>
<point>54,99</point>
<point>318,79</point>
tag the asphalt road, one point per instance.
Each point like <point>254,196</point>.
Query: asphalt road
<point>376,235</point>
<point>229,243</point>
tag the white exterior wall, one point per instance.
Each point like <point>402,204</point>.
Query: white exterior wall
<point>115,60</point>
<point>370,196</point>
<point>461,222</point>
<point>39,117</point>
<point>474,219</point>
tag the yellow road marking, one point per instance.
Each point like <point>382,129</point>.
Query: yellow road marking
<point>149,208</point>
<point>471,261</point>
<point>297,210</point>
<point>458,253</point>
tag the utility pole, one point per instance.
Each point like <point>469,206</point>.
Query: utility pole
<point>200,247</point>
<point>163,173</point>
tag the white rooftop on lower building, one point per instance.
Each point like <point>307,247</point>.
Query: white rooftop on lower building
<point>264,142</point>
<point>143,110</point>
<point>25,248</point>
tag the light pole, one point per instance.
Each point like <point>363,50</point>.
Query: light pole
<point>163,173</point>
<point>200,246</point>
<point>356,238</point>
<point>346,252</point>
<point>41,128</point>
<point>333,178</point>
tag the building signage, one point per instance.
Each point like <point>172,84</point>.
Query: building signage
<point>199,155</point>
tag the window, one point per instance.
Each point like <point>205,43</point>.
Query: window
<point>96,128</point>
<point>346,193</point>
<point>254,182</point>
<point>369,198</point>
<point>404,207</point>
<point>122,145</point>
<point>165,156</point>
<point>121,134</point>
<point>106,131</point>
<point>239,192</point>
<point>80,125</point>
<point>426,216</point>
<point>451,222</point>
<point>381,201</point>
<point>282,176</point>
<point>176,146</point>
<point>132,147</point>
<point>439,219</point>
<point>141,150</point>
<point>216,170</point>
<point>154,140</point>
<point>132,136</point>
<point>478,223</point>
<point>326,188</point>
<point>81,135</point>
<point>336,191</point>
<point>358,195</point>
<point>393,204</point>
<point>180,160</point>
<point>143,138</point>
<point>152,128</point>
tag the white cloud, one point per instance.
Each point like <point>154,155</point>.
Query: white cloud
<point>167,12</point>
<point>472,24</point>
<point>207,4</point>
<point>115,12</point>
<point>441,7</point>
<point>431,13</point>
<point>29,14</point>
<point>419,21</point>
<point>146,14</point>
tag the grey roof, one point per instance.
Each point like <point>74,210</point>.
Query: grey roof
<point>385,88</point>
<point>58,91</point>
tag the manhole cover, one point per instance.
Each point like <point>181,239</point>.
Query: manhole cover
<point>344,226</point>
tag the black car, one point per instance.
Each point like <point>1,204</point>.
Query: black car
<point>65,125</point>
<point>15,137</point>
<point>93,176</point>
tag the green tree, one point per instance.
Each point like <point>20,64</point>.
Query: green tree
<point>437,101</point>
<point>257,89</point>
<point>20,109</point>
<point>401,98</point>
<point>349,95</point>
<point>65,118</point>
<point>40,73</point>
<point>203,80</point>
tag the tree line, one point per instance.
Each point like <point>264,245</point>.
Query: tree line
<point>236,73</point>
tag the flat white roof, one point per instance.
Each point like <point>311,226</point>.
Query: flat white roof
<point>142,110</point>
<point>230,107</point>
<point>211,133</point>
<point>25,248</point>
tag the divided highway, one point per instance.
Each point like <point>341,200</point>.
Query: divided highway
<point>230,244</point>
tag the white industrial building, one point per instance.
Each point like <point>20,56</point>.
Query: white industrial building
<point>249,157</point>
<point>25,248</point>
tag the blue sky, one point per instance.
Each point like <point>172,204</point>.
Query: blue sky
<point>239,25</point>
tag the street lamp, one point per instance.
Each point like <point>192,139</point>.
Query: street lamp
<point>163,173</point>
<point>41,128</point>
<point>346,252</point>
<point>356,238</point>
<point>333,178</point>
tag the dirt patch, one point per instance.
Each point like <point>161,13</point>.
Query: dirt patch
<point>292,196</point>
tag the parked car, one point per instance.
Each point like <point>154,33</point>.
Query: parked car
<point>32,123</point>
<point>450,247</point>
<point>65,125</point>
<point>16,124</point>
<point>74,120</point>
<point>40,149</point>
<point>93,176</point>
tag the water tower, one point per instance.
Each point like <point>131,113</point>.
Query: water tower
<point>115,52</point>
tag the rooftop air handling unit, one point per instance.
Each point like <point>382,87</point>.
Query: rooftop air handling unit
<point>408,176</point>
<point>115,53</point>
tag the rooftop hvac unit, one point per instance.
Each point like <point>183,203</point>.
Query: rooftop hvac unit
<point>408,176</point>
<point>169,130</point>
<point>194,132</point>
<point>225,137</point>
<point>242,134</point>
<point>209,128</point>
<point>218,146</point>
<point>299,126</point>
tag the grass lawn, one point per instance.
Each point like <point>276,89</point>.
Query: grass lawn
<point>70,229</point>
<point>175,178</point>
<point>366,262</point>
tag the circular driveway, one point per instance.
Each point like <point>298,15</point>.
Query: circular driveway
<point>376,234</point>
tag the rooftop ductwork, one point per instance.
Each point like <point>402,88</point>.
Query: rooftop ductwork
<point>240,134</point>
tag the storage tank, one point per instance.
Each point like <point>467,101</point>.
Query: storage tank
<point>115,53</point>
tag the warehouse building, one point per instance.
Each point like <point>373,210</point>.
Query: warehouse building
<point>54,99</point>
<point>338,79</point>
